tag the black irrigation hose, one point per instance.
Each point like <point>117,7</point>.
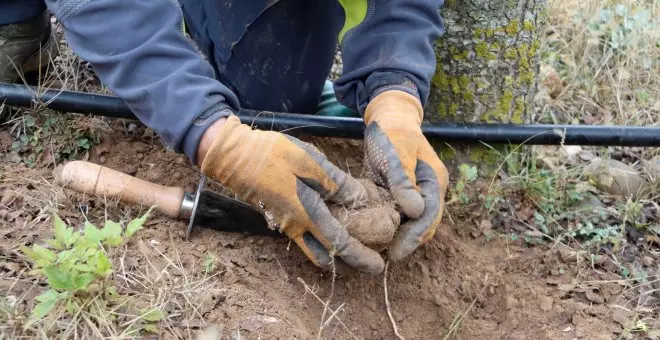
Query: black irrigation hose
<point>301,124</point>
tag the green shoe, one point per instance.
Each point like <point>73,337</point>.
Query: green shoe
<point>329,106</point>
<point>25,47</point>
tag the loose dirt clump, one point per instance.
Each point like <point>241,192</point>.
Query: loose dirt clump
<point>375,224</point>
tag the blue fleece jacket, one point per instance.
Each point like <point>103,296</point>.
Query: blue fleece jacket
<point>138,50</point>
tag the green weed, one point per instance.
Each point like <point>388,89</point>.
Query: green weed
<point>55,139</point>
<point>558,205</point>
<point>209,263</point>
<point>468,174</point>
<point>76,265</point>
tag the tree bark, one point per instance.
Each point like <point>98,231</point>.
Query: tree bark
<point>487,61</point>
<point>487,70</point>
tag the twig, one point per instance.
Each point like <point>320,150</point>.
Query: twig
<point>326,305</point>
<point>310,291</point>
<point>387,304</point>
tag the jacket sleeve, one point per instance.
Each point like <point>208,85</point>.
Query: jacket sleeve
<point>137,48</point>
<point>387,44</point>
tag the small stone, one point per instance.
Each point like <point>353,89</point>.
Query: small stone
<point>131,128</point>
<point>5,141</point>
<point>648,261</point>
<point>3,213</point>
<point>485,226</point>
<point>13,157</point>
<point>253,323</point>
<point>148,133</point>
<point>622,317</point>
<point>235,335</point>
<point>590,203</point>
<point>438,300</point>
<point>652,168</point>
<point>597,310</point>
<point>201,248</point>
<point>8,198</point>
<point>570,150</point>
<point>614,177</point>
<point>11,266</point>
<point>594,297</point>
<point>102,159</point>
<point>586,155</point>
<point>14,215</point>
<point>510,302</point>
<point>568,255</point>
<point>211,332</point>
<point>131,262</point>
<point>545,303</point>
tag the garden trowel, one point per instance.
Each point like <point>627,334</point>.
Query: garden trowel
<point>205,208</point>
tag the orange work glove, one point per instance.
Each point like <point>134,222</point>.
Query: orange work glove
<point>288,179</point>
<point>398,156</point>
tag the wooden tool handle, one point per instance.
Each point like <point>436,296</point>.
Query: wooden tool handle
<point>98,180</point>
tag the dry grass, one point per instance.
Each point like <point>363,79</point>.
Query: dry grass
<point>159,297</point>
<point>606,55</point>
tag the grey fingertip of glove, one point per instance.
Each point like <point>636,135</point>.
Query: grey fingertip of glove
<point>409,236</point>
<point>410,201</point>
<point>322,256</point>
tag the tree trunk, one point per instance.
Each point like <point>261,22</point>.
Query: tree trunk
<point>487,62</point>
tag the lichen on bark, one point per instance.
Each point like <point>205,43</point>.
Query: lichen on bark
<point>487,67</point>
<point>487,61</point>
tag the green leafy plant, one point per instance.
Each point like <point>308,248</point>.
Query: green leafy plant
<point>55,136</point>
<point>619,26</point>
<point>209,263</point>
<point>76,265</point>
<point>467,174</point>
<point>150,317</point>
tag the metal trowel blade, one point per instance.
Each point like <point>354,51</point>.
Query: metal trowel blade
<point>222,213</point>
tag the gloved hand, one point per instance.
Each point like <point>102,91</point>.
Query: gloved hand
<point>288,179</point>
<point>398,156</point>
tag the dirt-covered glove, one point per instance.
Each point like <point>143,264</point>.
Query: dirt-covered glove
<point>398,156</point>
<point>288,179</point>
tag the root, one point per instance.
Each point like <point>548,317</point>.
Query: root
<point>387,304</point>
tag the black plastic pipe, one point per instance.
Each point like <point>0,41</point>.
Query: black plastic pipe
<point>342,127</point>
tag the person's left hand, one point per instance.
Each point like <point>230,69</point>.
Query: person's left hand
<point>398,157</point>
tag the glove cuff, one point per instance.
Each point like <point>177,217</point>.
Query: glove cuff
<point>395,104</point>
<point>226,157</point>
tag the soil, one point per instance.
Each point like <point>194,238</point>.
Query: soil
<point>460,284</point>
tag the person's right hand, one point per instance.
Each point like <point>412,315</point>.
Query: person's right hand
<point>288,180</point>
